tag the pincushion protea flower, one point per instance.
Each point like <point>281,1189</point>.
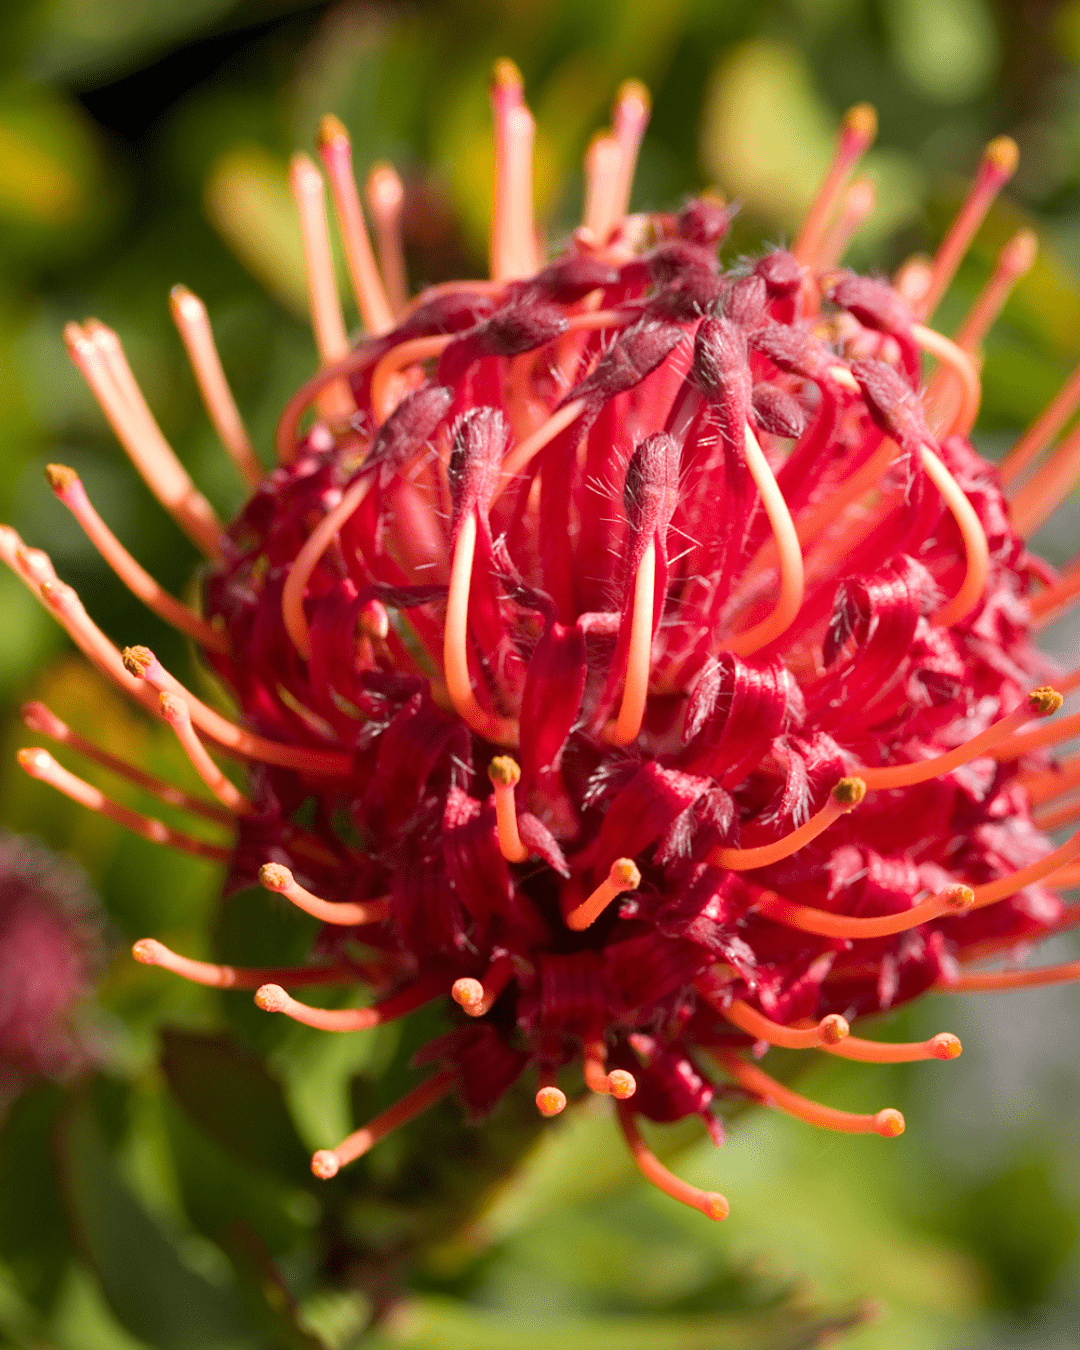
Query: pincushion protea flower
<point>654,628</point>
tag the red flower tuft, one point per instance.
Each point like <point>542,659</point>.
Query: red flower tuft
<point>657,630</point>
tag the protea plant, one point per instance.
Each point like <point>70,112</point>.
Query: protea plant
<point>629,648</point>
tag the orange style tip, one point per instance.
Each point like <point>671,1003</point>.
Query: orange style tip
<point>374,622</point>
<point>849,792</point>
<point>621,1085</point>
<point>550,1101</point>
<point>275,877</point>
<point>945,1045</point>
<point>325,1164</point>
<point>889,1123</point>
<point>861,121</point>
<point>332,133</point>
<point>60,478</point>
<point>137,660</point>
<point>271,998</point>
<point>506,75</point>
<point>73,335</point>
<point>304,173</point>
<point>504,771</point>
<point>624,874</point>
<point>833,1029</point>
<point>172,709</point>
<point>35,761</point>
<point>468,994</point>
<point>1019,254</point>
<point>1045,700</point>
<point>958,897</point>
<point>1002,154</point>
<point>715,1206</point>
<point>633,91</point>
<point>147,952</point>
<point>384,182</point>
<point>185,304</point>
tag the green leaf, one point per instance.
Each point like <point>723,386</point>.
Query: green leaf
<point>227,1089</point>
<point>146,1283</point>
<point>33,1231</point>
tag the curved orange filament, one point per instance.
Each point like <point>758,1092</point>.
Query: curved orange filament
<point>812,523</point>
<point>335,150</point>
<point>1047,488</point>
<point>39,764</point>
<point>144,665</point>
<point>888,1122</point>
<point>100,359</point>
<point>1061,815</point>
<point>327,1161</point>
<point>1026,741</point>
<point>792,580</point>
<point>504,773</point>
<point>68,488</point>
<point>1044,869</point>
<point>626,727</point>
<point>857,207</point>
<point>149,952</point>
<point>849,927</point>
<point>1042,431</point>
<point>1049,604</point>
<point>44,721</point>
<point>175,711</point>
<point>477,997</point>
<point>281,881</point>
<point>958,364</point>
<point>622,876</point>
<point>384,387</point>
<point>942,1046</point>
<point>1043,785</point>
<point>710,1203</point>
<point>305,562</point>
<point>530,447</point>
<point>975,546</point>
<point>603,169</point>
<point>513,236</point>
<point>1016,259</point>
<point>1042,702</point>
<point>993,981</point>
<point>857,131</point>
<point>500,730</point>
<point>629,118</point>
<point>829,1031</point>
<point>997,166</point>
<point>272,998</point>
<point>385,196</point>
<point>845,796</point>
<point>193,324</point>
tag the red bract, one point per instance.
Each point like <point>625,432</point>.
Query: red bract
<point>656,629</point>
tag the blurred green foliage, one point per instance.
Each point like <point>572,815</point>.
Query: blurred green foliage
<point>167,1202</point>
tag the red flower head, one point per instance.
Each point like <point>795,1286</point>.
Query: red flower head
<point>653,627</point>
<point>50,952</point>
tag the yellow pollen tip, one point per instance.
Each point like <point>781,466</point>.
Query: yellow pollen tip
<point>506,75</point>
<point>171,708</point>
<point>59,477</point>
<point>271,998</point>
<point>146,951</point>
<point>861,121</point>
<point>621,1084</point>
<point>634,89</point>
<point>504,771</point>
<point>945,1045</point>
<point>331,131</point>
<point>716,1206</point>
<point>325,1164</point>
<point>468,994</point>
<point>889,1123</point>
<point>958,897</point>
<point>849,792</point>
<point>274,877</point>
<point>1004,154</point>
<point>624,874</point>
<point>1045,700</point>
<point>136,660</point>
<point>550,1101</point>
<point>833,1029</point>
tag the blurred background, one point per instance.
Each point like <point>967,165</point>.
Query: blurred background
<point>153,1181</point>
